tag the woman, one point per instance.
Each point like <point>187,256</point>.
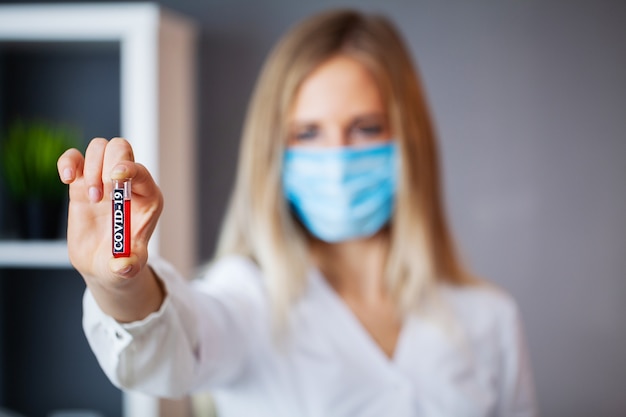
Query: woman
<point>336,290</point>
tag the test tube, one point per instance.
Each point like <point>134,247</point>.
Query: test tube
<point>121,218</point>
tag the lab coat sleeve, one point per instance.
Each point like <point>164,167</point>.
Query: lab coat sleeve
<point>198,339</point>
<point>517,397</point>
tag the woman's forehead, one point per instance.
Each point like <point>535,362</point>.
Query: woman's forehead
<point>341,86</point>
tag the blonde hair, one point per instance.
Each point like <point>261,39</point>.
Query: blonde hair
<point>259,224</point>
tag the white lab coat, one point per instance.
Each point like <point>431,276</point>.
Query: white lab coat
<point>216,334</point>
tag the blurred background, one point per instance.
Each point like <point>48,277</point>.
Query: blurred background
<point>529,100</point>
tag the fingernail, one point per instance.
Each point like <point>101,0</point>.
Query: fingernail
<point>94,194</point>
<point>125,270</point>
<point>118,171</point>
<point>67,174</point>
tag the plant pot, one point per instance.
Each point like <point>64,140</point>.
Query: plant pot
<point>40,219</point>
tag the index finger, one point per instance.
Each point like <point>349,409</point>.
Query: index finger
<point>143,183</point>
<point>70,165</point>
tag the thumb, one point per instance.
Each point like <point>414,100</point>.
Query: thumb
<point>127,267</point>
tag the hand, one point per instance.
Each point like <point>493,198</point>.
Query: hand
<point>89,214</point>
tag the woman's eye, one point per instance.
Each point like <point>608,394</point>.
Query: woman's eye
<point>306,134</point>
<point>369,127</point>
<point>369,131</point>
<point>372,130</point>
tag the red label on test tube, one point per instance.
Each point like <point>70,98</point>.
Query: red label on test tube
<point>121,218</point>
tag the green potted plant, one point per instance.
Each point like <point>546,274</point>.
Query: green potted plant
<point>28,155</point>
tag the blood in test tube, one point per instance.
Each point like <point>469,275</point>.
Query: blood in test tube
<point>121,218</point>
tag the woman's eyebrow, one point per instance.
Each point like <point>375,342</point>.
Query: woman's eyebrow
<point>370,117</point>
<point>302,123</point>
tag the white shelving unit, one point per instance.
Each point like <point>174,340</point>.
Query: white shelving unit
<point>34,254</point>
<point>158,76</point>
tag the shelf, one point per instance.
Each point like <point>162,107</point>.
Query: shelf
<point>34,254</point>
<point>150,58</point>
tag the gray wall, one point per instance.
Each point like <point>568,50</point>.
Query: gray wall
<point>529,99</point>
<point>530,103</point>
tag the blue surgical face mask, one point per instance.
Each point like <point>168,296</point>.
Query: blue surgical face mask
<point>342,193</point>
